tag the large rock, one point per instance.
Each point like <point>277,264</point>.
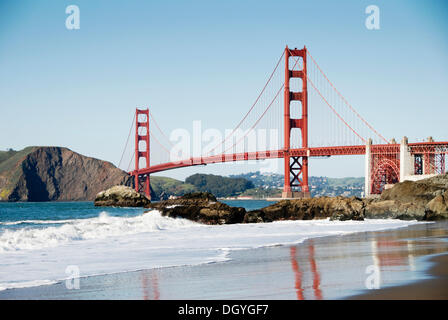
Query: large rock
<point>421,191</point>
<point>437,208</point>
<point>395,209</point>
<point>121,196</point>
<point>56,174</point>
<point>338,208</point>
<point>201,207</point>
<point>420,200</point>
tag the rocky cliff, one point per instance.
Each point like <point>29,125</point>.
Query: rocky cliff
<point>55,174</point>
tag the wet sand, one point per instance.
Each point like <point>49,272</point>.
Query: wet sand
<point>430,289</point>
<point>334,267</point>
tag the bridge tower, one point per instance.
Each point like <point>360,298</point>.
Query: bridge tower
<point>295,166</point>
<point>141,181</point>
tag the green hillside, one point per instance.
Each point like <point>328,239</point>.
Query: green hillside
<point>218,185</point>
<point>170,186</point>
<point>5,155</point>
<point>349,181</point>
<point>10,169</point>
<point>9,159</point>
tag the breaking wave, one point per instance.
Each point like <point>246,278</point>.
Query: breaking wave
<point>99,227</point>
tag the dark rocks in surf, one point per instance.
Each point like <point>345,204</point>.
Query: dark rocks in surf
<point>337,208</point>
<point>204,208</point>
<point>421,200</point>
<point>121,196</point>
<point>201,207</point>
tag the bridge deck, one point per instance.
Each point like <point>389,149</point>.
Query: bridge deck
<point>310,152</point>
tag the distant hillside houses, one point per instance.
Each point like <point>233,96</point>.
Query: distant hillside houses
<point>319,186</point>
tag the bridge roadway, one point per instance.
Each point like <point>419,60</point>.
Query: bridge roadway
<point>310,152</point>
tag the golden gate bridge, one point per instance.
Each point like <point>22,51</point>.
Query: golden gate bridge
<point>302,124</point>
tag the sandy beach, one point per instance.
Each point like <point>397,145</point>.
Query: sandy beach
<point>435,288</point>
<point>410,262</point>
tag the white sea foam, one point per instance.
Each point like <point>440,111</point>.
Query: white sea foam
<point>106,244</point>
<point>100,227</point>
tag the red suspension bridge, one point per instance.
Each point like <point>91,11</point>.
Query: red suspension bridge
<point>290,122</point>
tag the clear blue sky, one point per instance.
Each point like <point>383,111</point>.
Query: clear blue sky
<point>207,60</point>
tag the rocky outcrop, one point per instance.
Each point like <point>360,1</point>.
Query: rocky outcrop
<point>394,209</point>
<point>121,196</point>
<point>201,207</point>
<point>338,208</point>
<point>420,200</point>
<point>437,208</point>
<point>56,174</point>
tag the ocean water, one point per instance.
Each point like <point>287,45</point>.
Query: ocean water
<point>42,243</point>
